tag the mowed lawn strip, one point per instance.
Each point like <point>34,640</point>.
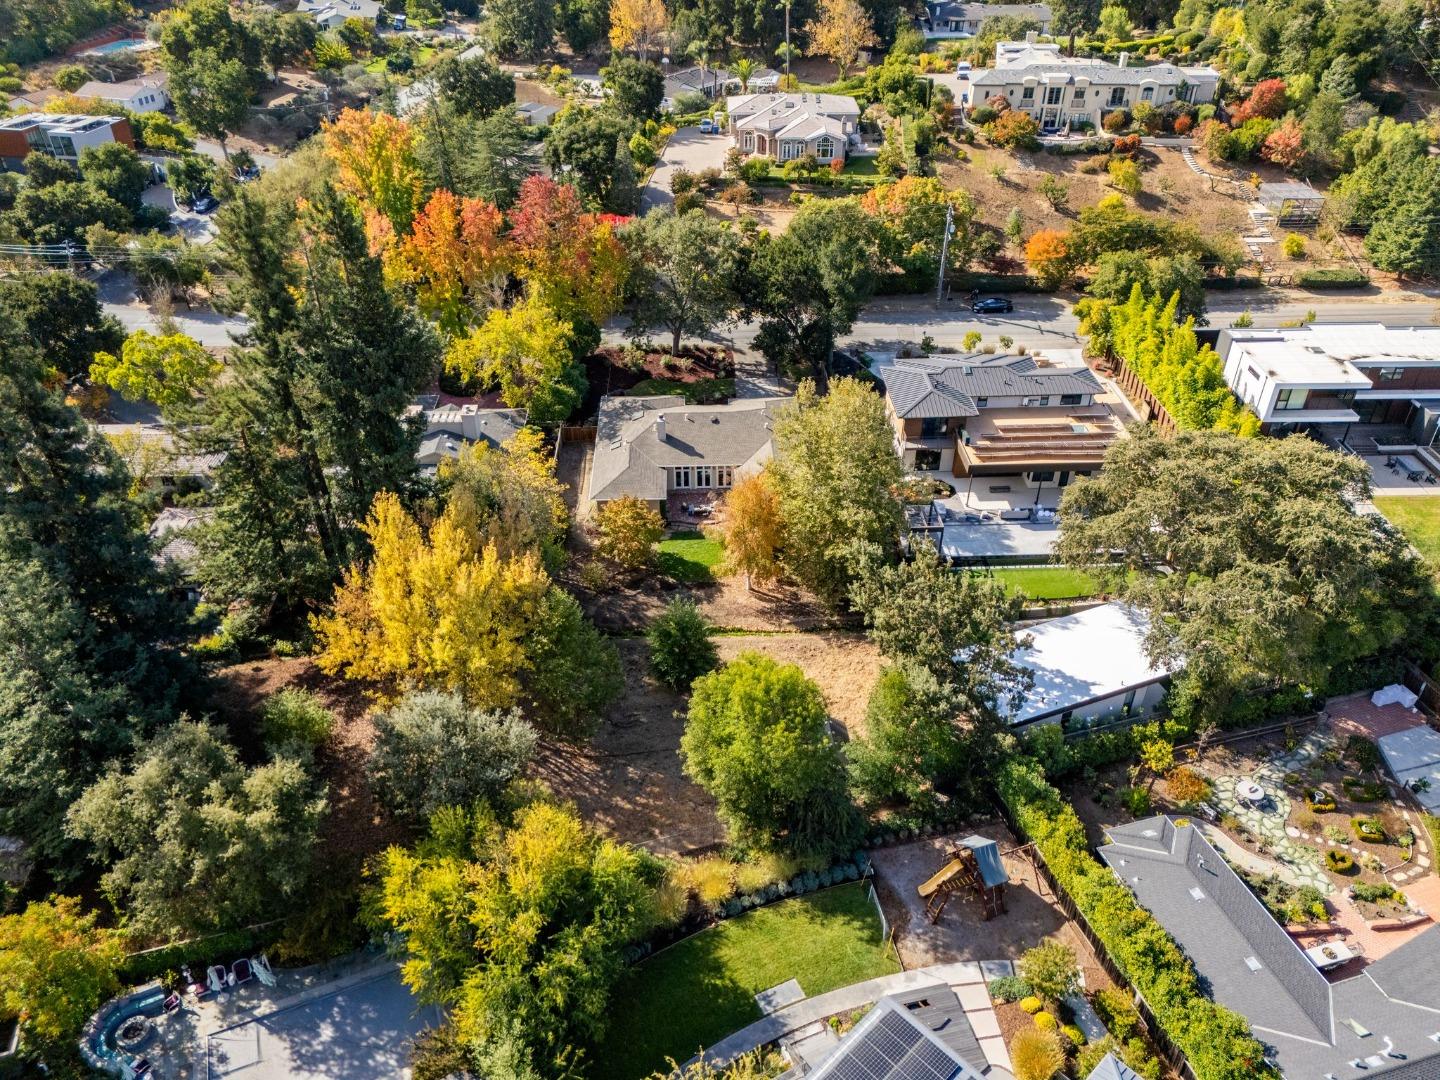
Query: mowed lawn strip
<point>1045,582</point>
<point>690,557</point>
<point>1418,517</point>
<point>702,989</point>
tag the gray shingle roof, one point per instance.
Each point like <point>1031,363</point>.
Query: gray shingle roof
<point>967,12</point>
<point>1112,1068</point>
<point>630,458</point>
<point>1251,965</point>
<point>937,386</point>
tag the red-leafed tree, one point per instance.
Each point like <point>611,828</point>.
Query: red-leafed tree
<point>1285,146</point>
<point>568,258</point>
<point>456,249</point>
<point>1266,100</point>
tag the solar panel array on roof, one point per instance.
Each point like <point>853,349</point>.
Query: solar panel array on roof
<point>894,1049</point>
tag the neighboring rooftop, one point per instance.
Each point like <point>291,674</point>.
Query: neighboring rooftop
<point>58,123</point>
<point>1069,68</point>
<point>639,438</point>
<point>1379,1022</point>
<point>1112,1068</point>
<point>936,386</point>
<point>966,12</point>
<point>1089,656</point>
<point>902,1039</point>
<point>123,91</point>
<point>1325,354</point>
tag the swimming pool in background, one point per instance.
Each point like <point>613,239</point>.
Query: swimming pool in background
<point>123,45</point>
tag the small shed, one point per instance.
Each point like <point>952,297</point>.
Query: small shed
<point>1293,202</point>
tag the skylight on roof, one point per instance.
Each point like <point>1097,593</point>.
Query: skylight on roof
<point>1151,833</point>
<point>1253,964</point>
<point>1197,893</point>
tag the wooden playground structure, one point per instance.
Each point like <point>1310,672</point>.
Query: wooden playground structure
<point>974,866</point>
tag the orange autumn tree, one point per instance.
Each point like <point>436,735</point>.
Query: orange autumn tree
<point>1048,254</point>
<point>752,530</point>
<point>456,249</point>
<point>375,156</point>
<point>570,260</point>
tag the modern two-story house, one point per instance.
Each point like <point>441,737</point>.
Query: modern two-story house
<point>789,126</point>
<point>60,135</point>
<point>1299,378</point>
<point>991,415</point>
<point>1062,92</point>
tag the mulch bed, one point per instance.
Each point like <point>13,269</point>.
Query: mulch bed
<point>609,375</point>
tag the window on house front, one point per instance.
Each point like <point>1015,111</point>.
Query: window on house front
<point>1079,98</point>
<point>927,460</point>
<point>1054,95</point>
<point>932,426</point>
<point>1292,397</point>
<point>724,476</point>
<point>825,148</point>
<point>1071,399</point>
<point>682,476</point>
<point>747,142</point>
<point>1391,374</point>
<point>1033,401</point>
<point>789,150</point>
<point>1147,94</point>
<point>704,476</point>
<point>1028,94</point>
<point>1117,97</point>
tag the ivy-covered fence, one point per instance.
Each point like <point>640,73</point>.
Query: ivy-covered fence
<point>1205,1040</point>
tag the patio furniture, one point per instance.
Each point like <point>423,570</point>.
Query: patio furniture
<point>216,977</point>
<point>1329,955</point>
<point>240,972</point>
<point>1250,791</point>
<point>261,964</point>
<point>172,1004</point>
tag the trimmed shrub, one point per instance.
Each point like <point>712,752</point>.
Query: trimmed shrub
<point>1338,862</point>
<point>680,646</point>
<point>1074,1034</point>
<point>1332,278</point>
<point>1369,830</point>
<point>1046,1021</point>
<point>1032,1004</point>
<point>1217,1041</point>
<point>1116,121</point>
<point>1009,988</point>
<point>1320,801</point>
<point>293,716</point>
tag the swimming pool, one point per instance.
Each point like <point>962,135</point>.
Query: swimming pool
<point>116,46</point>
<point>97,1045</point>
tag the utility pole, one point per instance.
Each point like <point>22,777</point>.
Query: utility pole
<point>944,253</point>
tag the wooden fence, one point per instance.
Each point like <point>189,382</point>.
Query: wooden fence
<point>1149,405</point>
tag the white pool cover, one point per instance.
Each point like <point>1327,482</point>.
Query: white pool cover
<point>1414,756</point>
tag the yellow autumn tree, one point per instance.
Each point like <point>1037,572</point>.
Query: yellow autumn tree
<point>637,24</point>
<point>752,529</point>
<point>519,500</point>
<point>526,350</point>
<point>840,32</point>
<point>374,154</point>
<point>445,610</point>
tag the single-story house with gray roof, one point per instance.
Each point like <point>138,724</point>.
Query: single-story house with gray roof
<point>649,447</point>
<point>449,428</point>
<point>1381,1022</point>
<point>789,126</point>
<point>952,19</point>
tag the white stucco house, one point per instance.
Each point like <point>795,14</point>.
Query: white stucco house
<point>1061,92</point>
<point>1089,669</point>
<point>145,94</point>
<point>789,126</point>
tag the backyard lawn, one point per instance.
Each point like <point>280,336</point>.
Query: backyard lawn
<point>696,992</point>
<point>1418,517</point>
<point>690,557</point>
<point>696,392</point>
<point>1045,582</point>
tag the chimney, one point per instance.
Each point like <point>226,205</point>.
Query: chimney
<point>1125,58</point>
<point>660,427</point>
<point>1030,37</point>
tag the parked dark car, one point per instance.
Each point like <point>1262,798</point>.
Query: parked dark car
<point>204,204</point>
<point>992,305</point>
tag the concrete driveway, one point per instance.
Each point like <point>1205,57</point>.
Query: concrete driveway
<point>687,149</point>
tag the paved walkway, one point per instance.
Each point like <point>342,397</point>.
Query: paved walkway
<point>968,979</point>
<point>1299,862</point>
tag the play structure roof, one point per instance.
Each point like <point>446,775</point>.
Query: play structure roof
<point>987,857</point>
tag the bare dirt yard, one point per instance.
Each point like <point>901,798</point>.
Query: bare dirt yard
<point>355,827</point>
<point>629,606</point>
<point>962,933</point>
<point>628,778</point>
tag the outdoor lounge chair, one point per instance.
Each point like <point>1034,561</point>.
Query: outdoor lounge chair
<point>215,977</point>
<point>172,1004</point>
<point>240,972</point>
<point>261,964</point>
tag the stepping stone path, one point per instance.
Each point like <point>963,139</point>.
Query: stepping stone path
<point>1190,160</point>
<point>1267,821</point>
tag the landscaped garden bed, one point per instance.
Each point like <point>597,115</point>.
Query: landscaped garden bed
<point>700,374</point>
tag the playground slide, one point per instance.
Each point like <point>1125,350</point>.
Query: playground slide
<point>948,871</point>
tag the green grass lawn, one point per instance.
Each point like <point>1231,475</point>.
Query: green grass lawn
<point>1045,582</point>
<point>699,392</point>
<point>690,557</point>
<point>698,991</point>
<point>1418,517</point>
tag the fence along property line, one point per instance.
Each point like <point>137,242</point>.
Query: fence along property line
<point>1173,1055</point>
<point>1148,405</point>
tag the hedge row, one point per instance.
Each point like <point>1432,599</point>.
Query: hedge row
<point>995,283</point>
<point>1239,281</point>
<point>1336,278</point>
<point>140,968</point>
<point>1217,1042</point>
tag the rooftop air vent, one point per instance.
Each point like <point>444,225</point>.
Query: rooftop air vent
<point>1197,893</point>
<point>1253,964</point>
